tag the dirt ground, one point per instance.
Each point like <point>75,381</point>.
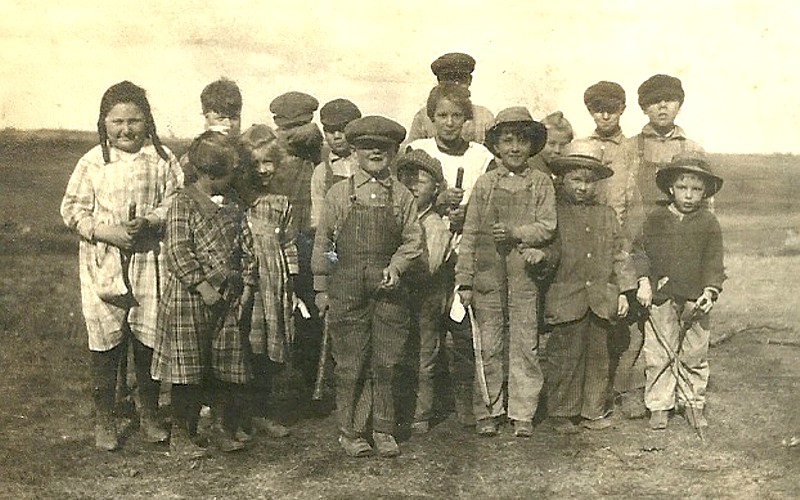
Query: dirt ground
<point>46,439</point>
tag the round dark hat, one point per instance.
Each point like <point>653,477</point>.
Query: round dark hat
<point>689,161</point>
<point>374,128</point>
<point>293,108</point>
<point>417,158</point>
<point>658,88</point>
<point>338,113</point>
<point>602,92</point>
<point>453,62</point>
<point>536,131</point>
<point>582,153</point>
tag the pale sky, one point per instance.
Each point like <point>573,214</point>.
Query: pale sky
<point>735,58</point>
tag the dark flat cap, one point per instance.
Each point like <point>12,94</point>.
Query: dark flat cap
<point>536,131</point>
<point>453,62</point>
<point>374,128</point>
<point>418,158</point>
<point>581,153</point>
<point>292,109</point>
<point>338,113</point>
<point>689,161</point>
<point>658,88</point>
<point>602,94</point>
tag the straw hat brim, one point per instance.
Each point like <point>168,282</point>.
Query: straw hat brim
<point>665,174</point>
<point>563,164</point>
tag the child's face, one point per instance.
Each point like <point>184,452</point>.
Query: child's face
<point>448,119</point>
<point>126,127</point>
<point>579,185</point>
<point>554,147</point>
<point>688,192</point>
<point>421,184</point>
<point>514,149</point>
<point>337,142</point>
<point>662,114</point>
<point>227,124</point>
<point>223,183</point>
<point>264,163</point>
<point>607,120</point>
<point>374,157</point>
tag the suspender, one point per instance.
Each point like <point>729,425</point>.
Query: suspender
<point>640,147</point>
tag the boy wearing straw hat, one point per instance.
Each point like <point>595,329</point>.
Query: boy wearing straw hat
<point>511,208</point>
<point>586,295</point>
<point>681,273</point>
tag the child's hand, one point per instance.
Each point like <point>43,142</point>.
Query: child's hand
<point>322,303</point>
<point>705,302</point>
<point>532,256</point>
<point>135,226</point>
<point>622,306</point>
<point>454,196</point>
<point>466,297</point>
<point>502,233</point>
<point>391,278</point>
<point>456,217</point>
<point>114,234</point>
<point>644,294</point>
<point>208,293</point>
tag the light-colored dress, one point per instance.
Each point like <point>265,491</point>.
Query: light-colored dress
<point>105,193</point>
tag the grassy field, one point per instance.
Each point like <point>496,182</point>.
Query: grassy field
<point>46,441</point>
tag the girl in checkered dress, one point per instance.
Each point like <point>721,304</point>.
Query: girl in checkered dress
<point>210,273</point>
<point>269,217</point>
<point>117,200</point>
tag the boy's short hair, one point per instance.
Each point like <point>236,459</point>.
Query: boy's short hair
<point>213,153</point>
<point>223,97</point>
<point>555,121</point>
<point>689,162</point>
<point>454,93</point>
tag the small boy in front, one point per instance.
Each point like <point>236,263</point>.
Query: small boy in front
<point>367,240</point>
<point>511,208</point>
<point>586,295</point>
<point>423,176</point>
<point>681,273</point>
<point>221,102</point>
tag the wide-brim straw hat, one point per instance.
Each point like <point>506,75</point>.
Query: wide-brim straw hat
<point>536,131</point>
<point>689,161</point>
<point>581,153</point>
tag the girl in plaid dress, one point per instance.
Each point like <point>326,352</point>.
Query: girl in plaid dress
<point>211,272</point>
<point>269,217</point>
<point>117,200</point>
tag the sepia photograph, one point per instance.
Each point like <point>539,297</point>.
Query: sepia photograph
<point>419,249</point>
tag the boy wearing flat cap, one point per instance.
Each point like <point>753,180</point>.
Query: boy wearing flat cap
<point>338,164</point>
<point>457,68</point>
<point>605,101</point>
<point>593,270</point>
<point>633,193</point>
<point>422,175</point>
<point>511,210</point>
<point>681,271</point>
<point>293,113</point>
<point>368,238</point>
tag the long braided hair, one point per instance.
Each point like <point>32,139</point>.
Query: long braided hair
<point>127,92</point>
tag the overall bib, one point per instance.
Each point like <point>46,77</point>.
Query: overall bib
<point>368,327</point>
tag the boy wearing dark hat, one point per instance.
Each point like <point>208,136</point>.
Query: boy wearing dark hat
<point>681,271</point>
<point>368,238</point>
<point>422,175</point>
<point>633,193</point>
<point>293,113</point>
<point>605,101</point>
<point>457,68</point>
<point>221,101</point>
<point>511,209</point>
<point>338,164</point>
<point>593,271</point>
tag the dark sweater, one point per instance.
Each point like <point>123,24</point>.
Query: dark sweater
<point>687,250</point>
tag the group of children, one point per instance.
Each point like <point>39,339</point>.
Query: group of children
<point>482,243</point>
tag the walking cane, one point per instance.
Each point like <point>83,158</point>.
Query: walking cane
<point>322,363</point>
